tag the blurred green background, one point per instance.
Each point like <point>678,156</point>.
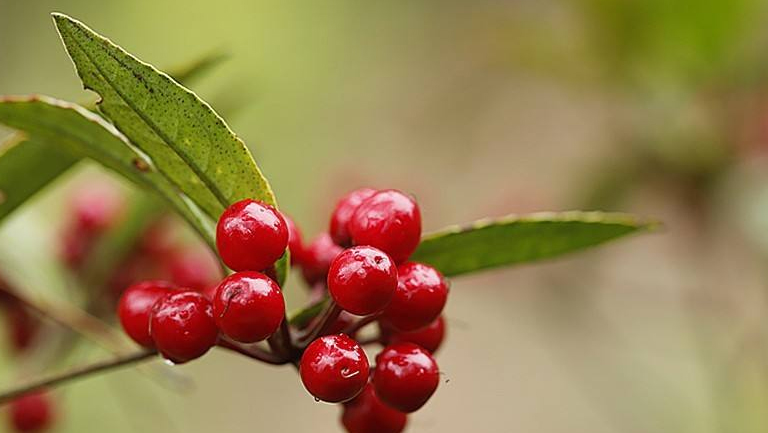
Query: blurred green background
<point>480,109</point>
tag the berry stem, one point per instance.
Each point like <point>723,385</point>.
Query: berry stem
<point>254,353</point>
<point>81,371</point>
<point>360,324</point>
<point>331,313</point>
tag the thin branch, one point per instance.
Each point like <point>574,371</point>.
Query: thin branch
<point>74,373</point>
<point>331,313</point>
<point>352,329</point>
<point>254,353</point>
<point>71,317</point>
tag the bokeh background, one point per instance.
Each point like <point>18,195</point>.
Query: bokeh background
<point>479,108</point>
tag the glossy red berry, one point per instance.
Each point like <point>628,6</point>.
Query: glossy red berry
<point>419,299</point>
<point>251,235</point>
<point>182,326</point>
<point>31,412</point>
<point>345,207</point>
<point>429,338</point>
<point>295,242</point>
<point>367,414</point>
<point>318,256</point>
<point>406,376</point>
<point>334,368</point>
<point>362,280</point>
<point>248,306</point>
<point>390,221</point>
<point>135,307</point>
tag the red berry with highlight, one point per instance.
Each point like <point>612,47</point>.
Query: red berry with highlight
<point>390,221</point>
<point>406,376</point>
<point>182,326</point>
<point>251,235</point>
<point>362,280</point>
<point>345,208</point>
<point>248,306</point>
<point>419,299</point>
<point>367,414</point>
<point>135,307</point>
<point>318,256</point>
<point>429,338</point>
<point>334,368</point>
<point>31,412</point>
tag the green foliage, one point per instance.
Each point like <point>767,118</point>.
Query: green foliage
<point>520,239</point>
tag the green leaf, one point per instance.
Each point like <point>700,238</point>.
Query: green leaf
<point>518,239</point>
<point>26,166</point>
<point>303,316</point>
<point>185,138</point>
<point>85,134</point>
<point>188,142</point>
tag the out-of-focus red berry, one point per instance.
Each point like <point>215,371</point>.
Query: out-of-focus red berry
<point>342,213</point>
<point>31,412</point>
<point>318,256</point>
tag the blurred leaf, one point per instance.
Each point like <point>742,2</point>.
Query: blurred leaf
<point>26,166</point>
<point>189,71</point>
<point>519,239</point>
<point>303,316</point>
<point>69,126</point>
<point>187,141</point>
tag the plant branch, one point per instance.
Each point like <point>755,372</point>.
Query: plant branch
<point>331,313</point>
<point>75,373</point>
<point>254,353</point>
<point>352,329</point>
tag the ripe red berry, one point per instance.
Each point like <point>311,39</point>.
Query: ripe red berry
<point>318,256</point>
<point>428,338</point>
<point>295,243</point>
<point>251,235</point>
<point>195,268</point>
<point>362,280</point>
<point>419,299</point>
<point>390,221</point>
<point>334,368</point>
<point>182,326</point>
<point>406,376</point>
<point>31,412</point>
<point>135,307</point>
<point>367,414</point>
<point>345,207</point>
<point>248,307</point>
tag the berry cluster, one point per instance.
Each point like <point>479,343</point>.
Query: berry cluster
<point>361,264</point>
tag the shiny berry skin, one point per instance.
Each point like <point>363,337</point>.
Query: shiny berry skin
<point>390,221</point>
<point>345,207</point>
<point>182,326</point>
<point>362,280</point>
<point>367,414</point>
<point>248,306</point>
<point>295,242</point>
<point>135,307</point>
<point>406,376</point>
<point>251,235</point>
<point>334,368</point>
<point>31,412</point>
<point>429,338</point>
<point>419,299</point>
<point>318,256</point>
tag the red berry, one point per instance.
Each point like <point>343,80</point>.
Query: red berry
<point>31,412</point>
<point>334,368</point>
<point>390,221</point>
<point>182,326</point>
<point>135,307</point>
<point>251,235</point>
<point>419,299</point>
<point>367,414</point>
<point>428,338</point>
<point>406,376</point>
<point>96,208</point>
<point>248,307</point>
<point>74,248</point>
<point>362,280</point>
<point>318,256</point>
<point>194,269</point>
<point>295,244</point>
<point>345,207</point>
